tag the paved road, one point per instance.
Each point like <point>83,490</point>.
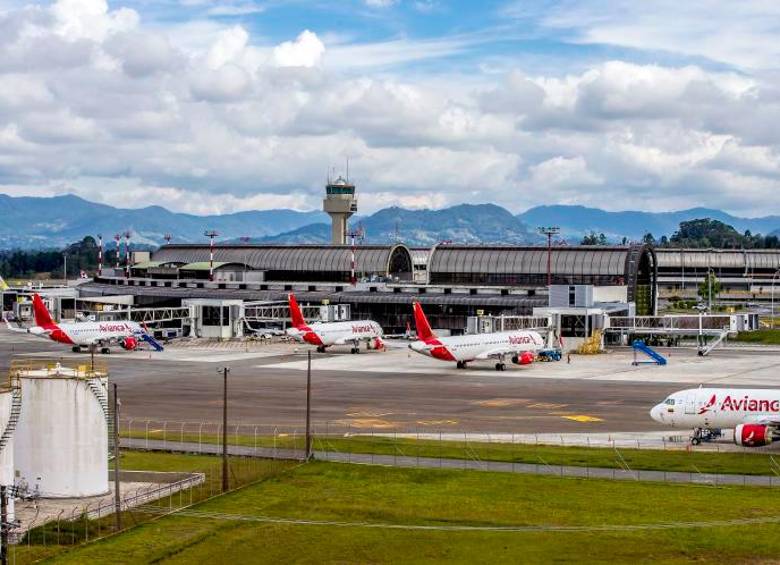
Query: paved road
<point>477,465</point>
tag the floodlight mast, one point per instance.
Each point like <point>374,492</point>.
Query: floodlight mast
<point>549,231</point>
<point>211,234</point>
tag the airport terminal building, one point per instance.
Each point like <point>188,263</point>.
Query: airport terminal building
<point>453,282</point>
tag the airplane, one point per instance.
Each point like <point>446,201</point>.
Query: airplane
<point>753,413</point>
<point>519,346</point>
<point>326,334</point>
<point>86,334</point>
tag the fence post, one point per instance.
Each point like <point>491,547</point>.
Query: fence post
<point>255,439</point>
<point>146,435</point>
<point>165,433</point>
<point>200,436</point>
<point>181,435</point>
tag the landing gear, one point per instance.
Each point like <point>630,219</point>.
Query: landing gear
<point>354,350</point>
<point>461,364</point>
<point>105,350</point>
<point>76,349</point>
<point>500,366</point>
<point>320,349</point>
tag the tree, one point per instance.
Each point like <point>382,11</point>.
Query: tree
<point>710,288</point>
<point>594,239</point>
<point>648,239</point>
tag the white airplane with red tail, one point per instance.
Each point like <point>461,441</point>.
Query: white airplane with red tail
<point>753,413</point>
<point>519,346</point>
<point>127,335</point>
<point>326,334</point>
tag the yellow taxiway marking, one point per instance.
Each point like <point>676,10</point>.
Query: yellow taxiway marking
<point>547,406</point>
<point>368,414</point>
<point>501,402</point>
<point>368,423</point>
<point>437,422</point>
<point>583,418</point>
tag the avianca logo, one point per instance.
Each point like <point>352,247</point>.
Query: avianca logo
<point>746,404</point>
<point>114,327</point>
<point>710,404</point>
<point>362,329</point>
<point>520,339</point>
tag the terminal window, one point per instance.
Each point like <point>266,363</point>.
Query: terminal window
<point>211,315</point>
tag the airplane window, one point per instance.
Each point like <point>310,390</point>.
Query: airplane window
<point>669,401</point>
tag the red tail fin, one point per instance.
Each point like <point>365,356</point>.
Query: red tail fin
<point>295,312</point>
<point>42,316</point>
<point>424,331</point>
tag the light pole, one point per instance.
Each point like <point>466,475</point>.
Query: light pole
<point>65,268</point>
<point>225,480</point>
<point>549,232</point>
<point>245,239</point>
<point>709,290</point>
<point>774,279</point>
<point>211,234</point>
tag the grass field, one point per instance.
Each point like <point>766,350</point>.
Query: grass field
<point>763,337</point>
<point>234,528</point>
<point>679,459</point>
<point>42,541</point>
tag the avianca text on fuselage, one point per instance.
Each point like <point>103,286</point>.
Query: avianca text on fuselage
<point>86,334</point>
<point>753,413</point>
<point>327,334</point>
<point>519,346</point>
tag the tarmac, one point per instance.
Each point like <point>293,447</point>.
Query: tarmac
<point>400,391</point>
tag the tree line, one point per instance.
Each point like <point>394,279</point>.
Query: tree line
<point>700,233</point>
<point>81,256</point>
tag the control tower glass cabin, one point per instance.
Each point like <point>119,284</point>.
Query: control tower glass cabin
<point>340,203</point>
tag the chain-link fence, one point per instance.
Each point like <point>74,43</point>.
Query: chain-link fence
<point>596,455</point>
<point>42,523</point>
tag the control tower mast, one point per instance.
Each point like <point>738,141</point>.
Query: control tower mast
<point>340,203</point>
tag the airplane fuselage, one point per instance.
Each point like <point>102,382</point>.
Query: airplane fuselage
<point>85,334</point>
<point>717,408</point>
<point>478,346</point>
<point>326,334</point>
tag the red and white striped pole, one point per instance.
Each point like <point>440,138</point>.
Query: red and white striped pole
<point>352,277</point>
<point>100,255</point>
<point>211,234</point>
<point>118,239</point>
<point>127,254</point>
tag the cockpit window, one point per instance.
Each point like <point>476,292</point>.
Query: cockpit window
<point>669,401</point>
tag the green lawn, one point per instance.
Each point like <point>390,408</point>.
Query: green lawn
<point>677,459</point>
<point>351,494</point>
<point>763,337</point>
<point>38,544</point>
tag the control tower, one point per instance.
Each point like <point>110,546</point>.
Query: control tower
<point>340,203</point>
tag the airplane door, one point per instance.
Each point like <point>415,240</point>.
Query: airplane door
<point>690,402</point>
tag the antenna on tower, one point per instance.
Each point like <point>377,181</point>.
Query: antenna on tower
<point>347,168</point>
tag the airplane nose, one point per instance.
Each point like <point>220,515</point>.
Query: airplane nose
<point>657,414</point>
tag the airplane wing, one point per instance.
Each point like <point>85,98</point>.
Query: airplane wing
<point>500,351</point>
<point>346,341</point>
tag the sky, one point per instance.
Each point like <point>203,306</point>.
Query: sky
<point>215,107</point>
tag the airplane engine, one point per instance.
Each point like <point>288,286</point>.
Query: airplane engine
<point>525,358</point>
<point>752,435</point>
<point>376,344</point>
<point>129,343</point>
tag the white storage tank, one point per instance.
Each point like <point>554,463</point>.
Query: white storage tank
<point>61,441</point>
<point>10,405</point>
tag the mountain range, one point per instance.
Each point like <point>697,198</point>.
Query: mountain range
<point>53,222</point>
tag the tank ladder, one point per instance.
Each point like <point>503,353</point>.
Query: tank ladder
<point>13,418</point>
<point>101,394</point>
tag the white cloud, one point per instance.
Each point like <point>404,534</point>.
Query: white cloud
<point>91,19</point>
<point>305,51</point>
<point>204,116</point>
